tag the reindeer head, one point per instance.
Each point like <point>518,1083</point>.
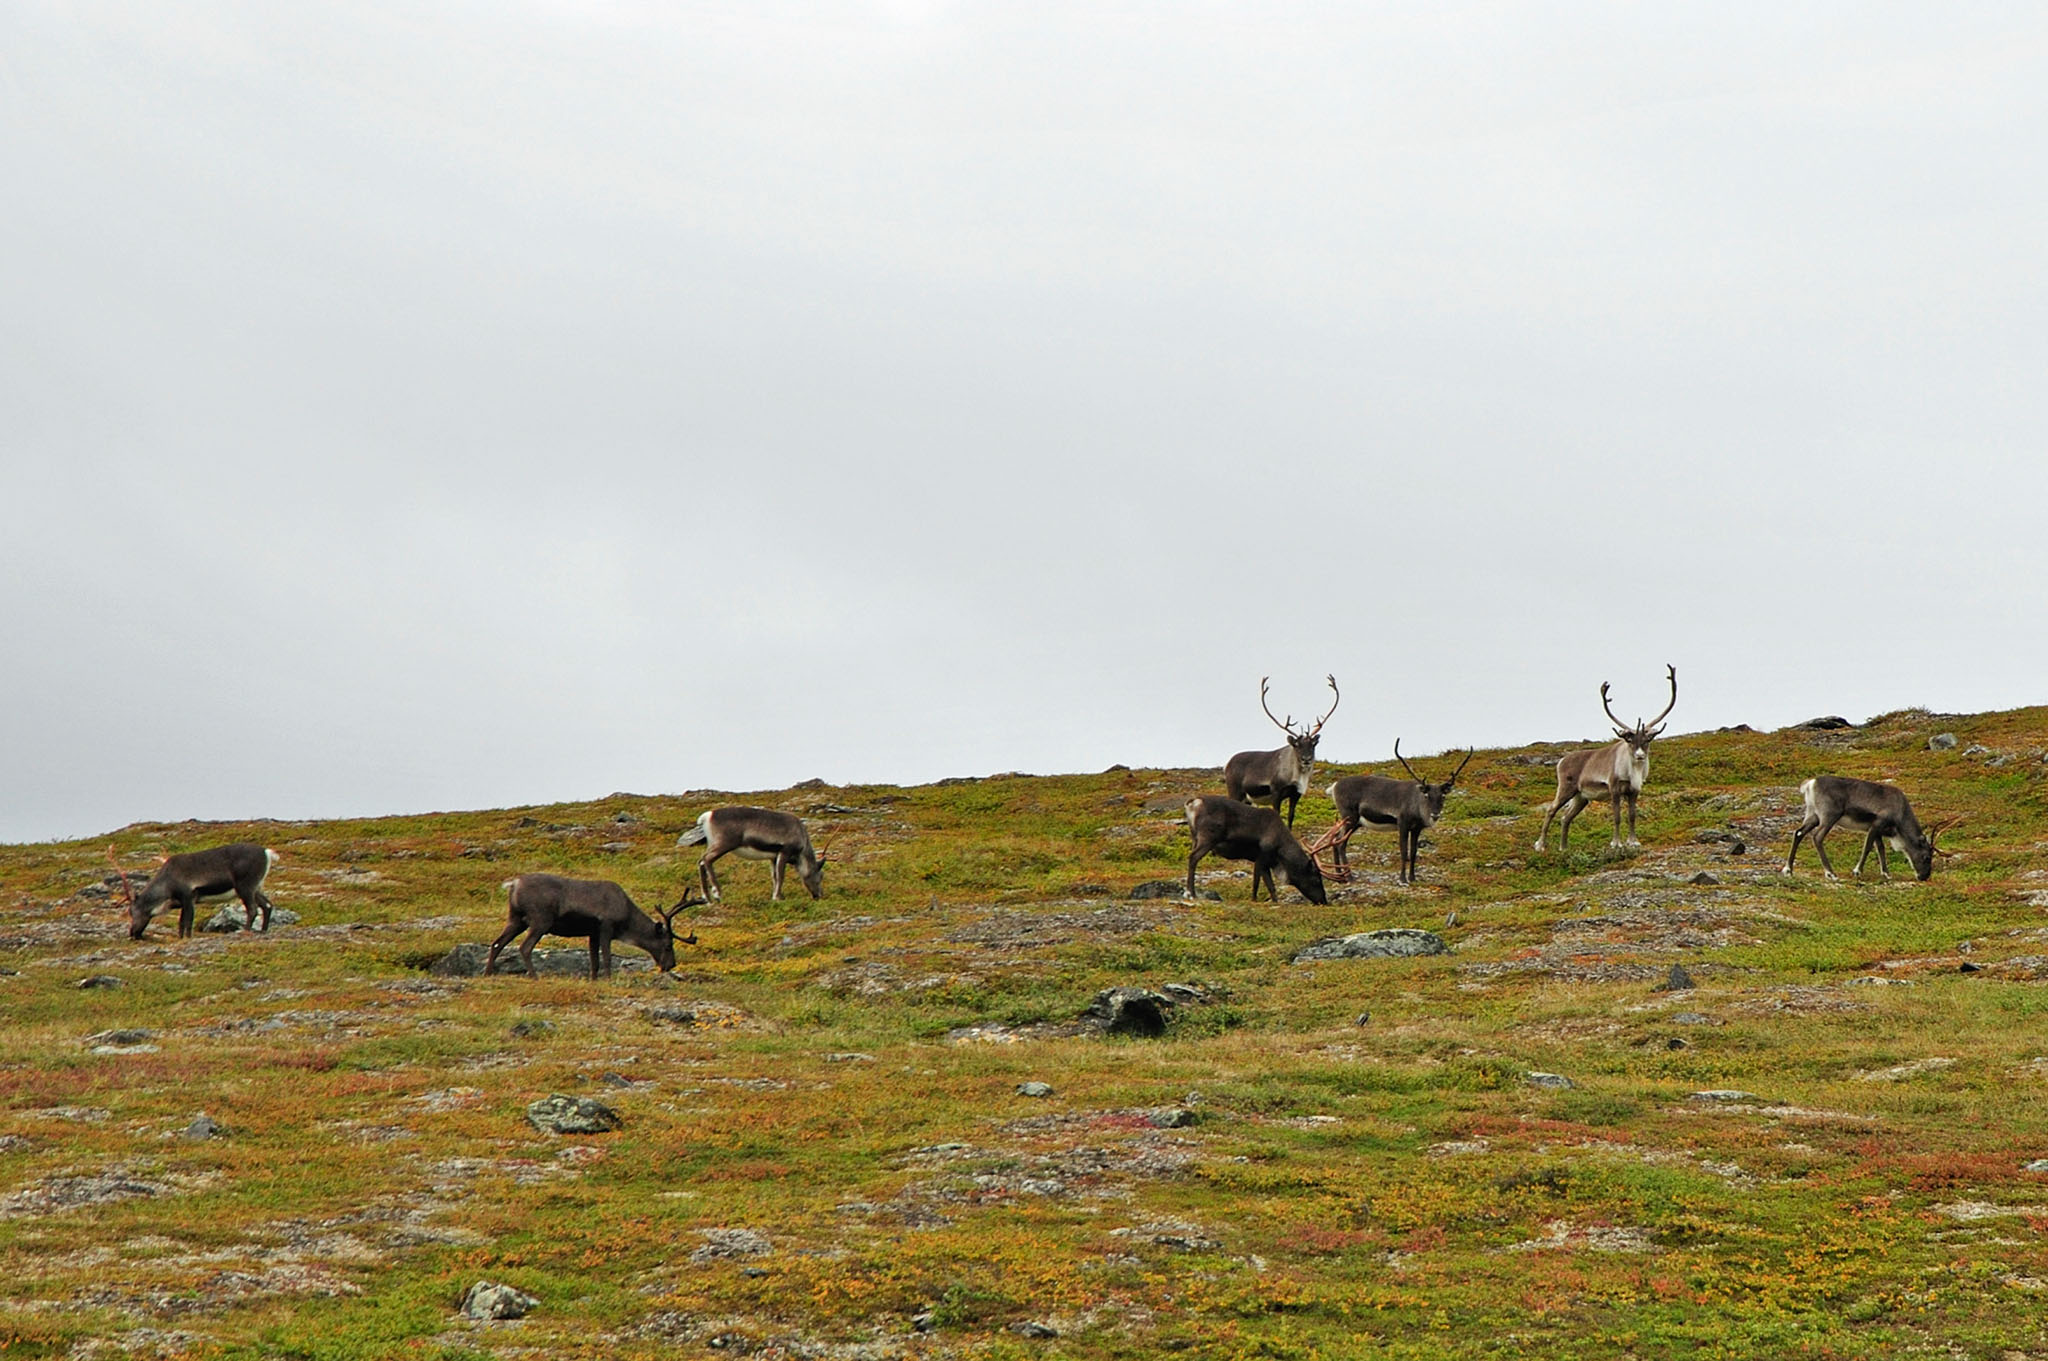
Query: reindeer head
<point>1303,742</point>
<point>814,878</point>
<point>664,950</point>
<point>1921,851</point>
<point>1642,734</point>
<point>139,910</point>
<point>1432,794</point>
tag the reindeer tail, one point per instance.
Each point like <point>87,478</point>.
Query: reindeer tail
<point>698,835</point>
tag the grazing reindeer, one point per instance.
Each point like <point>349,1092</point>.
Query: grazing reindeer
<point>1281,775</point>
<point>1409,806</point>
<point>1879,811</point>
<point>549,905</point>
<point>1615,773</point>
<point>755,834</point>
<point>185,879</point>
<point>1240,831</point>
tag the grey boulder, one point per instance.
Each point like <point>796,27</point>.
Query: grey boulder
<point>559,1114</point>
<point>488,1300</point>
<point>1398,942</point>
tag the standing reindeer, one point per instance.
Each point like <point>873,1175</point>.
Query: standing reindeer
<point>1409,806</point>
<point>185,879</point>
<point>1240,831</point>
<point>549,905</point>
<point>755,834</point>
<point>1281,775</point>
<point>1614,773</point>
<point>1879,811</point>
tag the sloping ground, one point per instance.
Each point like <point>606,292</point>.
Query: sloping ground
<point>1823,1148</point>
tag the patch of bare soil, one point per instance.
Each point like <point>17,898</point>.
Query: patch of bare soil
<point>1620,944</point>
<point>872,978</point>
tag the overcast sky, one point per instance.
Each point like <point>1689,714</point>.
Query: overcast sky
<point>411,406</point>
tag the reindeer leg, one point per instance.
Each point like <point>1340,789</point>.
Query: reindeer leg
<point>1293,798</point>
<point>707,879</point>
<point>1615,843</point>
<point>263,901</point>
<point>1633,795</point>
<point>1884,864</point>
<point>187,905</point>
<point>595,951</point>
<point>775,873</point>
<point>1564,832</point>
<point>526,949</point>
<point>1797,835</point>
<point>1544,835</point>
<point>1194,859</point>
<point>1820,845</point>
<point>504,939</point>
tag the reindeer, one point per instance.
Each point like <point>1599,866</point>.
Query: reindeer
<point>1240,831</point>
<point>1879,811</point>
<point>549,905</point>
<point>1281,775</point>
<point>1409,806</point>
<point>1614,773</point>
<point>755,834</point>
<point>194,875</point>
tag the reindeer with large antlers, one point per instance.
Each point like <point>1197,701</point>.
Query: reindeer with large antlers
<point>1281,775</point>
<point>1411,807</point>
<point>1616,773</point>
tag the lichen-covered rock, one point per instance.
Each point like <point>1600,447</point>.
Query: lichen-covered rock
<point>231,917</point>
<point>488,1300</point>
<point>1398,942</point>
<point>721,1244</point>
<point>1556,1082</point>
<point>467,961</point>
<point>1130,1011</point>
<point>559,1114</point>
<point>1161,888</point>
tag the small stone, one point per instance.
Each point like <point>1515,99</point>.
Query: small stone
<point>1553,1081</point>
<point>1703,879</point>
<point>532,1028</point>
<point>1364,1019</point>
<point>1942,741</point>
<point>1678,980</point>
<point>1034,1089</point>
<point>1399,942</point>
<point>1738,847</point>
<point>617,1080</point>
<point>1171,1117</point>
<point>924,1322</point>
<point>1976,749</point>
<point>849,1058</point>
<point>2037,1165</point>
<point>1033,1328</point>
<point>102,980</point>
<point>121,1039</point>
<point>1967,967</point>
<point>1674,1043</point>
<point>1722,1096</point>
<point>205,1127</point>
<point>559,1114</point>
<point>1827,723</point>
<point>487,1300</point>
<point>1691,1018</point>
<point>1450,919</point>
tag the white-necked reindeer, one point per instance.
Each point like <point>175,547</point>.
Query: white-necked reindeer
<point>755,834</point>
<point>1411,807</point>
<point>1282,775</point>
<point>1616,773</point>
<point>1879,811</point>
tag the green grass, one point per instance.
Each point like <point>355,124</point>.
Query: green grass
<point>1395,1188</point>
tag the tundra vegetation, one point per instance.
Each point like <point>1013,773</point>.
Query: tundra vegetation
<point>1824,1147</point>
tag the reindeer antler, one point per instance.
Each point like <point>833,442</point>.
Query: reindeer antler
<point>1337,697</point>
<point>1672,672</point>
<point>668,919</point>
<point>120,877</point>
<point>1461,767</point>
<point>1404,763</point>
<point>1333,871</point>
<point>1944,827</point>
<point>1288,726</point>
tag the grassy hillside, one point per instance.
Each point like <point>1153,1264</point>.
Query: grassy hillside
<point>824,1152</point>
